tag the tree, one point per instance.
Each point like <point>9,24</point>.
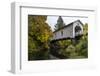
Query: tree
<point>82,45</point>
<point>39,34</point>
<point>85,29</point>
<point>60,23</point>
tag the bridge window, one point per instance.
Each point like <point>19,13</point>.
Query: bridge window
<point>62,33</point>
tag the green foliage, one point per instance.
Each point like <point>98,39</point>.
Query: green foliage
<point>39,34</point>
<point>75,48</point>
<point>64,43</point>
<point>85,29</point>
<point>60,23</point>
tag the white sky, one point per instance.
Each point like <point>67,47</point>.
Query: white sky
<point>52,20</point>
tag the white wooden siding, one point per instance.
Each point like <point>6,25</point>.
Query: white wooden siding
<point>68,32</point>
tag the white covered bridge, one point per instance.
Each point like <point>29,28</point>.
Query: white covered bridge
<point>69,31</point>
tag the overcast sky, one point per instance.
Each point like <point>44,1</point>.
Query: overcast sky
<point>52,20</point>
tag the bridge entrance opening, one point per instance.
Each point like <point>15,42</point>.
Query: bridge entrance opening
<point>78,30</point>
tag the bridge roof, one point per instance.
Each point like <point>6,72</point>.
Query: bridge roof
<point>70,24</point>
